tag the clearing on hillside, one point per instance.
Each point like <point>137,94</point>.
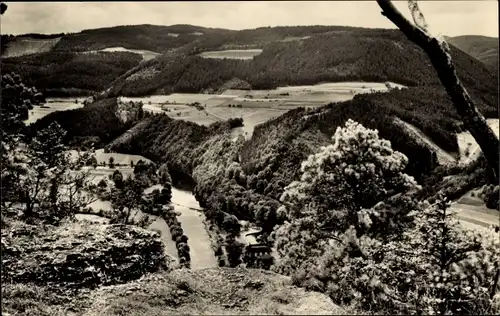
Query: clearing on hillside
<point>146,54</point>
<point>469,149</point>
<point>232,54</point>
<point>22,46</point>
<point>53,105</point>
<point>254,106</point>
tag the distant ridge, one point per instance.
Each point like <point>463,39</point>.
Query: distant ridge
<point>483,48</point>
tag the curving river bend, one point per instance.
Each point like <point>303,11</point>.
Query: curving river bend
<point>190,217</point>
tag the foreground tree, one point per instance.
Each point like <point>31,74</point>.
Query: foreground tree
<point>381,253</point>
<point>358,181</point>
<point>439,53</point>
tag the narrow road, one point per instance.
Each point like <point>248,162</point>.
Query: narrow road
<point>475,217</point>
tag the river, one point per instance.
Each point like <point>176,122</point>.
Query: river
<point>191,220</point>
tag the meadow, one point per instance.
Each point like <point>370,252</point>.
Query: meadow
<point>254,106</point>
<point>53,105</point>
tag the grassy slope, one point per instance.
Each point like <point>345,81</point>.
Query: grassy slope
<point>98,119</point>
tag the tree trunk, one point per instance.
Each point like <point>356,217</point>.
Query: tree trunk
<point>439,54</point>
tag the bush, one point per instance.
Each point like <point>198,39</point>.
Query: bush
<point>234,250</point>
<point>491,196</point>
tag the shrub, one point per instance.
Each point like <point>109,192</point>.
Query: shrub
<point>234,250</point>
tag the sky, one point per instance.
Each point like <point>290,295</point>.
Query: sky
<point>451,18</point>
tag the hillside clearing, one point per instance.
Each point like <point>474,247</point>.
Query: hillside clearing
<point>53,105</point>
<point>146,54</point>
<point>232,54</point>
<point>22,46</point>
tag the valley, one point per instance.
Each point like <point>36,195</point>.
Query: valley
<point>181,169</point>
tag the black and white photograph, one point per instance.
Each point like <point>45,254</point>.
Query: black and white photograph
<point>250,158</point>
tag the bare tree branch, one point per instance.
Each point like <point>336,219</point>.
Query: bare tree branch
<point>418,17</point>
<point>439,54</point>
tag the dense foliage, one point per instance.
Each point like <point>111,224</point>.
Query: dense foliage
<point>17,100</point>
<point>355,55</point>
<point>38,173</point>
<point>357,180</point>
<point>66,74</point>
<point>247,178</point>
<point>388,254</point>
<point>155,38</point>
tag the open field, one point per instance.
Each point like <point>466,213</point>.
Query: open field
<point>119,160</point>
<point>469,149</point>
<point>475,217</point>
<point>255,106</point>
<point>53,105</point>
<point>232,54</point>
<point>146,54</point>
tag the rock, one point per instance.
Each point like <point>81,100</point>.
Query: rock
<point>97,255</point>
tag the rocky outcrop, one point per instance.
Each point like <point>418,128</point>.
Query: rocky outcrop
<point>80,255</point>
<point>129,111</point>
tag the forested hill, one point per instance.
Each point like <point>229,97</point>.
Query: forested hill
<point>483,48</point>
<point>351,54</point>
<point>291,56</point>
<point>155,38</point>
